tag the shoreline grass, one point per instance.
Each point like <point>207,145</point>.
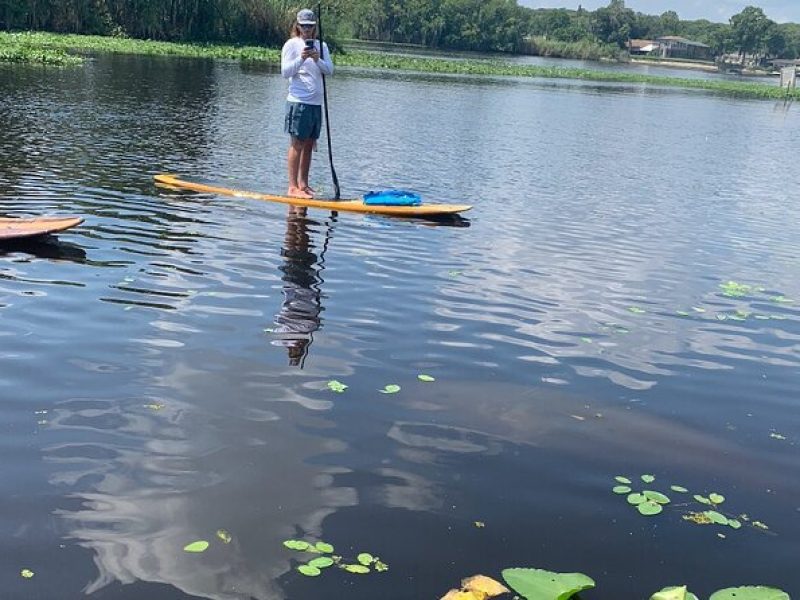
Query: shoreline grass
<point>49,48</point>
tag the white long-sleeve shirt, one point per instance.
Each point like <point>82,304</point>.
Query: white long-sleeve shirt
<point>305,76</point>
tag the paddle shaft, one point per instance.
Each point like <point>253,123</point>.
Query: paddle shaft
<point>337,191</point>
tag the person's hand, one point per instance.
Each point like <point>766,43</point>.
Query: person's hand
<point>310,53</point>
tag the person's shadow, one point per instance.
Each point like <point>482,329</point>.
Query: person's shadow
<point>299,315</point>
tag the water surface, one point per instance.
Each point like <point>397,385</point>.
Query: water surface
<point>165,365</point>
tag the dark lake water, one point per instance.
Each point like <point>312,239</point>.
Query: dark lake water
<point>165,365</point>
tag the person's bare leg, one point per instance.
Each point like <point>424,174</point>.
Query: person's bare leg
<point>294,163</point>
<point>305,166</point>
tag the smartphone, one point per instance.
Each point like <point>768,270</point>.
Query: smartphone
<point>310,44</point>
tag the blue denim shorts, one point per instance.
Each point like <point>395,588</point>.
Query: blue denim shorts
<point>303,121</point>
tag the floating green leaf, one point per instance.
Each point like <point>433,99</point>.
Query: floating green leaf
<point>390,389</point>
<point>309,571</point>
<point>702,499</point>
<point>636,310</point>
<point>622,479</point>
<point>27,573</point>
<point>716,517</point>
<point>365,558</point>
<point>674,593</point>
<point>656,497</point>
<point>224,536</point>
<point>336,386</point>
<point>621,489</point>
<point>537,584</point>
<point>321,562</point>
<point>198,546</point>
<point>781,299</point>
<point>735,290</point>
<point>636,498</point>
<point>750,593</point>
<point>426,378</point>
<point>648,478</point>
<point>649,508</point>
<point>380,566</point>
<point>716,498</point>
<point>734,524</point>
<point>698,309</point>
<point>679,488</point>
<point>359,569</point>
<point>682,313</point>
<point>299,545</point>
<point>324,547</point>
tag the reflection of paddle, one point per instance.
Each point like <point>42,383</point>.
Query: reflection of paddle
<point>337,194</point>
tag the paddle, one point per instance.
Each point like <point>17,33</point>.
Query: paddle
<point>337,192</point>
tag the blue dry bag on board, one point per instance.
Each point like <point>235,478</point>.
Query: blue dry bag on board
<point>392,198</point>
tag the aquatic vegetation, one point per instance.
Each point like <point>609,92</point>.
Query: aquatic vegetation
<point>336,386</point>
<point>390,389</point>
<point>636,310</point>
<point>224,536</point>
<point>364,563</point>
<point>650,503</point>
<point>538,584</point>
<point>425,378</point>
<point>196,547</point>
<point>477,587</point>
<point>734,289</point>
<point>26,573</point>
<point>64,46</point>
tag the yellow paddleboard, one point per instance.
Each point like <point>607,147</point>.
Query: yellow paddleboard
<point>355,205</point>
<point>12,229</point>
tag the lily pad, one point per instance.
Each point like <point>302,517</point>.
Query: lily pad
<point>649,508</point>
<point>198,546</point>
<point>674,593</point>
<point>390,389</point>
<point>636,310</point>
<point>26,573</point>
<point>365,558</point>
<point>321,562</point>
<point>621,489</point>
<point>298,545</point>
<point>702,499</point>
<point>648,478</point>
<point>358,569</point>
<point>537,584</point>
<point>716,517</point>
<point>656,497</point>
<point>425,378</point>
<point>750,593</point>
<point>679,488</point>
<point>636,498</point>
<point>323,547</point>
<point>734,524</point>
<point>622,479</point>
<point>716,498</point>
<point>309,571</point>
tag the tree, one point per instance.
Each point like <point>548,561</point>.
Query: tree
<point>614,23</point>
<point>751,28</point>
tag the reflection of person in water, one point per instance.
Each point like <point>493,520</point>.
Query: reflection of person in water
<point>299,316</point>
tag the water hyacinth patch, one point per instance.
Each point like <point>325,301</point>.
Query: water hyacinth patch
<point>336,386</point>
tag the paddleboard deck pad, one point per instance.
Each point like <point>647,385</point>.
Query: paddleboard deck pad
<point>356,205</point>
<point>13,229</point>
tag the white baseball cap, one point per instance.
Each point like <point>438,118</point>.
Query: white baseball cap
<point>306,17</point>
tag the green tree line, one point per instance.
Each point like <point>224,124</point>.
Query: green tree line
<point>491,25</point>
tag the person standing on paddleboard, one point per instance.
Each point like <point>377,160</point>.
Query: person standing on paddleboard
<point>303,63</point>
